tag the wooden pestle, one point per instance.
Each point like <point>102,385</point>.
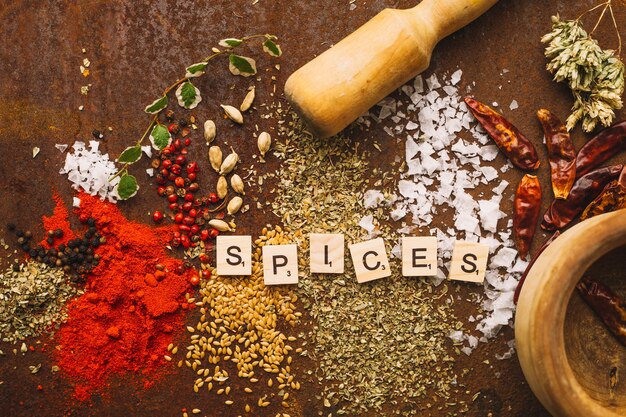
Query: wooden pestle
<point>338,86</point>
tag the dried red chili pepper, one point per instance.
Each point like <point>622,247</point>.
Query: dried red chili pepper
<point>606,304</point>
<point>612,198</point>
<point>526,213</point>
<point>509,139</point>
<point>585,189</point>
<point>543,247</point>
<point>604,145</point>
<point>560,152</point>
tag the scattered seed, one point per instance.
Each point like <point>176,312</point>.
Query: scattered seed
<point>234,205</point>
<point>220,225</point>
<point>237,184</point>
<point>210,131</point>
<point>248,99</point>
<point>264,143</point>
<point>222,187</point>
<point>215,157</point>
<point>232,113</point>
<point>229,163</point>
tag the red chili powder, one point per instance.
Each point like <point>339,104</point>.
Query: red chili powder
<point>129,312</point>
<point>58,220</point>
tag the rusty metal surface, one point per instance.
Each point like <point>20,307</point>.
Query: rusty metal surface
<point>137,49</point>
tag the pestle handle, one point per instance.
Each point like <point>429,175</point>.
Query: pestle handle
<point>341,84</point>
<point>448,16</point>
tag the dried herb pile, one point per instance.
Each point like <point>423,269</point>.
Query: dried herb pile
<point>595,75</point>
<point>381,345</point>
<point>32,300</point>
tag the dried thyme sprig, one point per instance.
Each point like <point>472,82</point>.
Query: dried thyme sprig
<point>188,97</point>
<point>595,75</point>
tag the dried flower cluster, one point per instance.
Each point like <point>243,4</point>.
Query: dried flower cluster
<point>595,75</point>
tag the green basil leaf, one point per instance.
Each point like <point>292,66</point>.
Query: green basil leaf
<point>130,155</point>
<point>196,70</point>
<point>241,65</point>
<point>157,105</point>
<point>188,95</point>
<point>272,48</point>
<point>230,42</point>
<point>127,187</point>
<point>160,137</point>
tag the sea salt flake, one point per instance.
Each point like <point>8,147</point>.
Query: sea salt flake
<point>61,147</point>
<point>513,105</point>
<point>489,152</point>
<point>456,77</point>
<point>489,173</point>
<point>432,82</point>
<point>372,198</point>
<point>367,223</point>
<point>147,150</point>
<point>504,258</point>
<point>75,202</point>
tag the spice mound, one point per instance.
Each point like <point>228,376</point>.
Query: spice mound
<point>32,297</point>
<point>130,308</point>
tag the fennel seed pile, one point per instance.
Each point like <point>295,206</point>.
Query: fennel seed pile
<point>382,345</point>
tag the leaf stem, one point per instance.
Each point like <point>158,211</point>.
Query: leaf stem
<point>178,82</point>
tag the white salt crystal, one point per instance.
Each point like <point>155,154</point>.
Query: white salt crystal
<point>76,202</point>
<point>432,82</point>
<point>150,172</point>
<point>513,105</point>
<point>372,198</point>
<point>489,213</point>
<point>501,187</point>
<point>367,223</point>
<point>504,258</point>
<point>61,147</point>
<point>490,173</point>
<point>147,150</point>
<point>418,84</point>
<point>36,151</point>
<point>456,77</point>
<point>396,251</point>
<point>398,213</point>
<point>456,336</point>
<point>489,152</point>
<point>466,222</point>
<point>411,125</point>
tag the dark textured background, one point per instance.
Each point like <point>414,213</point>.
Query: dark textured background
<point>137,48</point>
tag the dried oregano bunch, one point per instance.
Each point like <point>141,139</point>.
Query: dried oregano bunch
<point>188,97</point>
<point>595,75</point>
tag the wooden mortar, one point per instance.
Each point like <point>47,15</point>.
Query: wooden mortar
<point>564,350</point>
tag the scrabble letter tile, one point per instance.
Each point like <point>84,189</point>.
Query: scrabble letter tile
<point>280,264</point>
<point>469,261</point>
<point>326,253</point>
<point>233,255</point>
<point>370,260</point>
<point>419,256</point>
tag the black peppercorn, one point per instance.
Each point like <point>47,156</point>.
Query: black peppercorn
<point>58,233</point>
<point>50,241</point>
<point>91,221</point>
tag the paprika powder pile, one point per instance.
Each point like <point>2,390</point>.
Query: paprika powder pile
<point>131,306</point>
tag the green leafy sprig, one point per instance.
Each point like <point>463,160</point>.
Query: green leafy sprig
<point>188,97</point>
<point>595,75</point>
